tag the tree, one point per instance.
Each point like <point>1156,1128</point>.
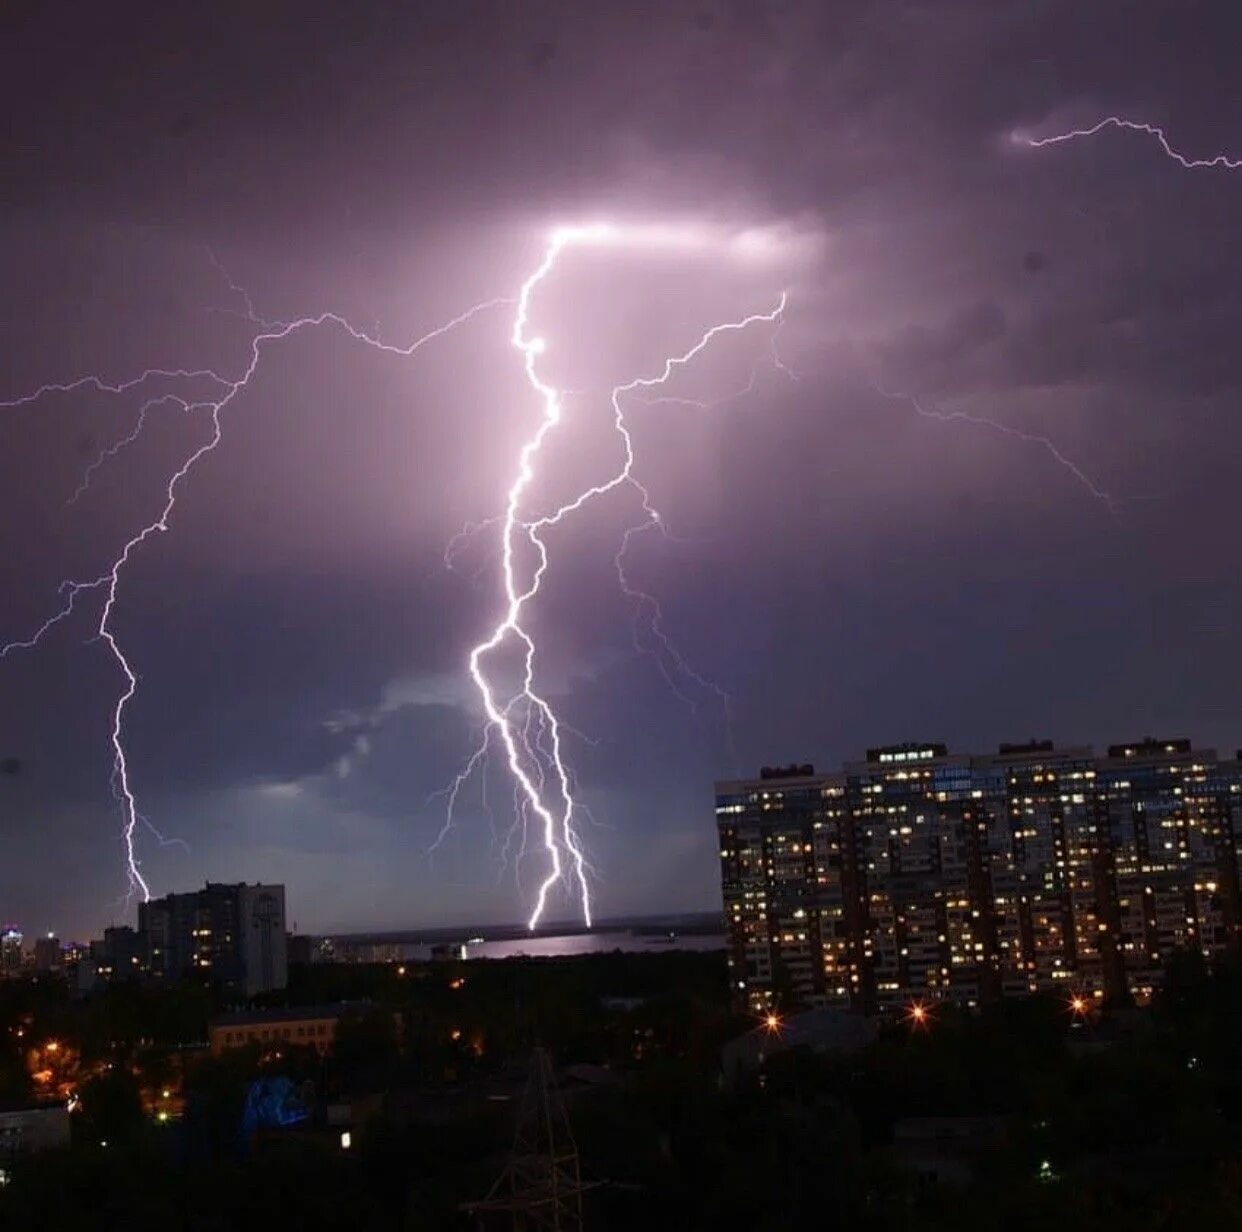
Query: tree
<point>112,1109</point>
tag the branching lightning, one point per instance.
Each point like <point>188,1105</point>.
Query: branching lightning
<point>535,765</point>
<point>1221,161</point>
<point>521,721</point>
<point>109,582</point>
<point>129,438</point>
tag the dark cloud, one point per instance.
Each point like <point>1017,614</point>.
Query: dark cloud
<point>849,569</point>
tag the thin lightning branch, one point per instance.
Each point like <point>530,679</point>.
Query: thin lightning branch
<point>464,537</point>
<point>241,292</point>
<point>648,605</point>
<point>626,473</point>
<point>105,387</point>
<point>653,520</point>
<point>110,581</point>
<point>1219,160</point>
<point>72,589</point>
<point>520,822</point>
<point>1031,438</point>
<point>112,450</point>
<point>450,793</point>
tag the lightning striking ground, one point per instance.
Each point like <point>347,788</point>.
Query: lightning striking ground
<point>524,723</point>
<point>110,580</point>
<point>1219,161</point>
<point>535,765</point>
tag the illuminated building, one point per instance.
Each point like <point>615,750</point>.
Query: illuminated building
<point>119,955</point>
<point>10,950</point>
<point>916,875</point>
<point>233,934</point>
<point>269,1028</point>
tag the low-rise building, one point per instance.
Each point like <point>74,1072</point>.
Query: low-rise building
<point>313,1026</point>
<point>826,1029</point>
<point>39,1128</point>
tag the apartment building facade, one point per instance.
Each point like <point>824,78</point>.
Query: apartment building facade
<point>919,875</point>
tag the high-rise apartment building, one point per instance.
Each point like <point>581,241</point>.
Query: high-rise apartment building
<point>234,934</point>
<point>48,955</point>
<point>11,955</point>
<point>920,875</point>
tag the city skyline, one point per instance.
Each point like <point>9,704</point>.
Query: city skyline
<point>975,480</point>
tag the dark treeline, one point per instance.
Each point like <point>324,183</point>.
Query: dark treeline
<point>1129,1120</point>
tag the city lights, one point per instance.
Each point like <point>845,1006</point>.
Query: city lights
<point>1024,905</point>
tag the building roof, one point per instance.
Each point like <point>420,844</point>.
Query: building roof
<point>245,1018</point>
<point>827,1029</point>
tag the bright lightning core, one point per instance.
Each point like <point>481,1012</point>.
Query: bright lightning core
<point>543,781</point>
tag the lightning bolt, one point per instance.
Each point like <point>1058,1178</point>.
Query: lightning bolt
<point>1221,161</point>
<point>542,779</point>
<point>109,582</point>
<point>523,723</point>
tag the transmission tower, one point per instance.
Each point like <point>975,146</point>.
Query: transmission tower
<point>541,1186</point>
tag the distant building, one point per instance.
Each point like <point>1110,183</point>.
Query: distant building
<point>119,955</point>
<point>820,1030</point>
<point>83,976</point>
<point>346,951</point>
<point>47,953</point>
<point>919,875</point>
<point>309,1026</point>
<point>234,934</point>
<point>454,952</point>
<point>10,950</point>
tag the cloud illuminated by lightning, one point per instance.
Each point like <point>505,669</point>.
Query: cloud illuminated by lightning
<point>1221,161</point>
<point>525,724</point>
<point>109,582</point>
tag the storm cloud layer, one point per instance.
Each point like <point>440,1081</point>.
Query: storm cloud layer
<point>849,568</point>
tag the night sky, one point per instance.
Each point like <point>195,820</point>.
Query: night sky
<point>851,572</point>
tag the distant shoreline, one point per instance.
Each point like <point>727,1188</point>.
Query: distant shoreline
<point>703,923</point>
